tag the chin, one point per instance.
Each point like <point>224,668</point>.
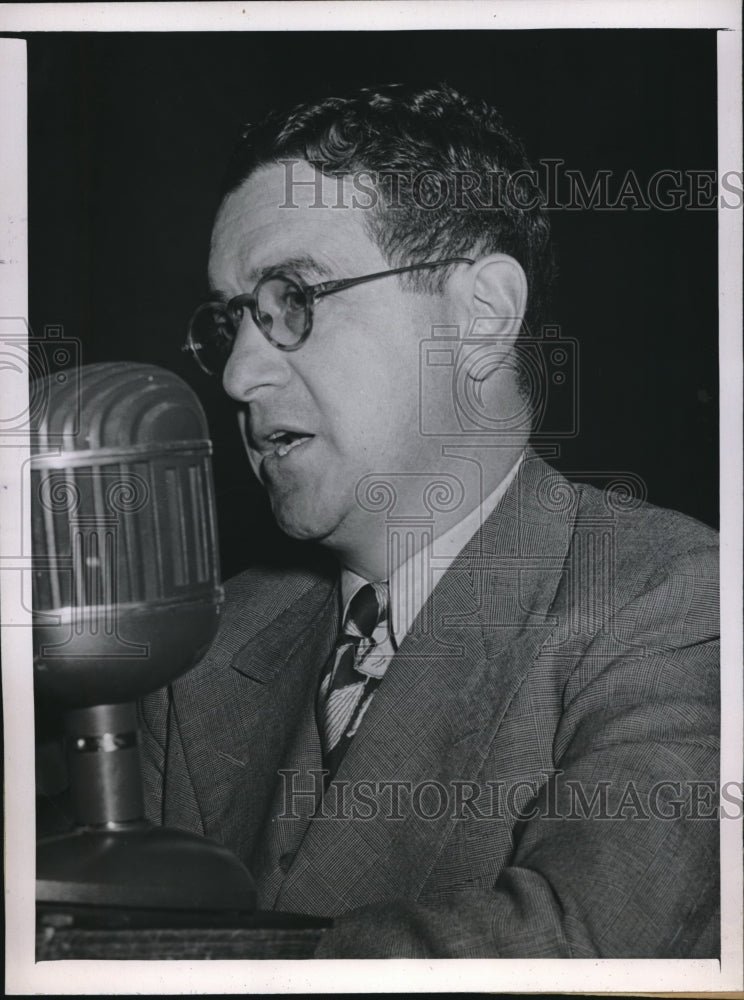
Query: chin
<point>302,523</point>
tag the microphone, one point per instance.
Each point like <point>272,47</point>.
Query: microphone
<point>126,576</point>
<point>126,598</point>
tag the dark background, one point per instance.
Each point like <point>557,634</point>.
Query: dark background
<point>128,139</point>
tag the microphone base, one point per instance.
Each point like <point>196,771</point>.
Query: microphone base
<point>142,866</point>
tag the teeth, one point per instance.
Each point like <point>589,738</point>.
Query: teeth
<point>284,449</point>
<point>285,441</point>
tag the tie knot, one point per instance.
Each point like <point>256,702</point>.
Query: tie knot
<point>368,608</point>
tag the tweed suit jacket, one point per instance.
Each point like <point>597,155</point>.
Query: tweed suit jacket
<point>534,776</point>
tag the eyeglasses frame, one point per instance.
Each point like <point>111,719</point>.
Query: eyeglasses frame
<point>313,292</point>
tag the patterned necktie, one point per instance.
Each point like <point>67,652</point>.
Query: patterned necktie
<point>347,687</point>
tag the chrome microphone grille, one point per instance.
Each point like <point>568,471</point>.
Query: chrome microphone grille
<point>123,511</point>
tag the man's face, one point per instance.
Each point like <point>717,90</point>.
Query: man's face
<point>352,390</point>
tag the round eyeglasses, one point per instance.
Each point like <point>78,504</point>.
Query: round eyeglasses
<point>281,305</point>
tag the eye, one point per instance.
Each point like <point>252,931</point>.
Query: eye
<point>224,326</point>
<point>227,321</point>
<point>283,301</point>
<point>293,298</point>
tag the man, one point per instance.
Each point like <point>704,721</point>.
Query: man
<point>488,727</point>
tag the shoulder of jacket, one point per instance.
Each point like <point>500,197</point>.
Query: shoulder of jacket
<point>258,596</point>
<point>652,539</point>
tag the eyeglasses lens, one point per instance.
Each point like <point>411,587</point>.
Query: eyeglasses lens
<point>212,336</point>
<point>282,309</point>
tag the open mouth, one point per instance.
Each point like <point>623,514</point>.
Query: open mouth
<point>285,441</point>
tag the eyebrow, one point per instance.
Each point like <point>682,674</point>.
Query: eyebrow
<point>304,265</point>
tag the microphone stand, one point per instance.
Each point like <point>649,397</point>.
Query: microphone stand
<point>114,856</point>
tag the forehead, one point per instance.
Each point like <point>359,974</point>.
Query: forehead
<point>287,213</point>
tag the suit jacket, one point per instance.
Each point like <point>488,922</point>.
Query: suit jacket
<point>535,777</point>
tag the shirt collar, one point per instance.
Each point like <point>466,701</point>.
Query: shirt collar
<point>411,583</point>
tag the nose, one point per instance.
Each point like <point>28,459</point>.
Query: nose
<point>254,363</point>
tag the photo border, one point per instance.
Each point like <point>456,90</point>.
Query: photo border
<point>78,977</point>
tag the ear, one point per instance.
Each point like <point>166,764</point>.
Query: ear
<point>497,298</point>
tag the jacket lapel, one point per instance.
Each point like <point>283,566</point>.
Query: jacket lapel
<point>298,779</point>
<point>441,704</point>
<point>240,724</point>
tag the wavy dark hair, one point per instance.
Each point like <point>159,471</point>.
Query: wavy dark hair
<point>439,136</point>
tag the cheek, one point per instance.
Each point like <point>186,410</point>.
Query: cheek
<point>365,380</point>
<point>374,409</point>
